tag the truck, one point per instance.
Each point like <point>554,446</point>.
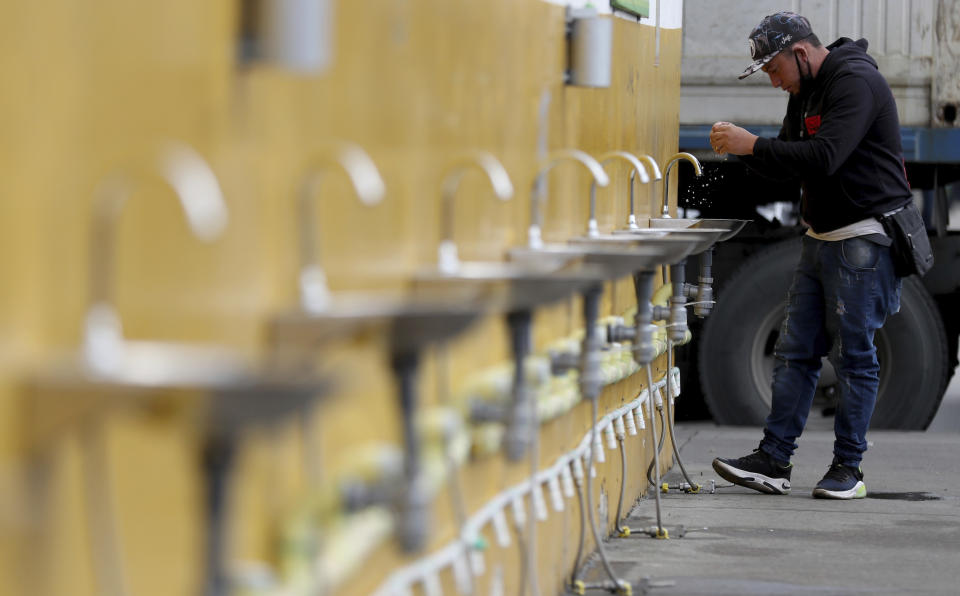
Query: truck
<point>729,364</point>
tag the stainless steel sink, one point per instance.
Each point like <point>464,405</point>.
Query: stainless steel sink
<point>732,226</point>
<point>610,256</point>
<point>662,223</point>
<point>238,390</point>
<point>412,321</point>
<point>702,238</point>
<point>508,286</point>
<point>437,304</point>
<point>669,246</point>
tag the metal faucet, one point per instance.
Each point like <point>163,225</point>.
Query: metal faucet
<point>665,210</point>
<point>197,188</point>
<point>448,261</point>
<point>638,169</point>
<point>632,218</point>
<point>367,183</point>
<point>534,237</point>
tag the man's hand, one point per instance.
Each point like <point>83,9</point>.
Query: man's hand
<point>729,138</point>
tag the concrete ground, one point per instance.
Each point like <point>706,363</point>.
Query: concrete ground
<point>948,415</point>
<point>903,539</point>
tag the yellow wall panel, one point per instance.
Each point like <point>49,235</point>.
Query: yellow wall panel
<point>98,86</point>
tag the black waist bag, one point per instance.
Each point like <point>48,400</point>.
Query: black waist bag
<point>910,249</point>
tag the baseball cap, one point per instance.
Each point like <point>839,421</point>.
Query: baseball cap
<point>774,33</point>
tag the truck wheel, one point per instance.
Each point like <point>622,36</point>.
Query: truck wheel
<point>736,350</point>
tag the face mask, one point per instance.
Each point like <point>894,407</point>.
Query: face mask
<point>805,77</point>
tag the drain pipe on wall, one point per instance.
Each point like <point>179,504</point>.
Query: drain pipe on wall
<point>671,395</point>
<point>590,385</point>
<point>644,352</point>
<point>658,403</point>
<point>522,432</point>
<point>661,532</point>
<point>702,292</point>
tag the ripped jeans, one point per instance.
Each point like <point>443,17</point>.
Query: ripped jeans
<point>842,292</point>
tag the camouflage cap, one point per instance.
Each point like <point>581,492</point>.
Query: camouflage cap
<point>775,33</point>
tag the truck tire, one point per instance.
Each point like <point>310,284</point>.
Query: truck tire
<point>736,350</point>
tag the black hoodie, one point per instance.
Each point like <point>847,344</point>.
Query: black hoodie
<point>841,137</point>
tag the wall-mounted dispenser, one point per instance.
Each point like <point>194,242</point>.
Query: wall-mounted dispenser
<point>590,48</point>
<point>295,35</point>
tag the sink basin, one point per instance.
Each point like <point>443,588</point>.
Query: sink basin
<point>509,286</point>
<point>732,226</point>
<point>237,390</point>
<point>413,322</point>
<point>668,246</point>
<point>665,222</point>
<point>703,238</point>
<point>610,256</point>
<point>437,304</point>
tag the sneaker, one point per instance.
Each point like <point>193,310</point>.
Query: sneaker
<point>841,482</point>
<point>758,471</point>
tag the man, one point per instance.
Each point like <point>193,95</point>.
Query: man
<point>841,139</point>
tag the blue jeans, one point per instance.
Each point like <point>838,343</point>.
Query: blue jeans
<point>842,292</point>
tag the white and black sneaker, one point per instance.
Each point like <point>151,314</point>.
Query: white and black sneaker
<point>841,482</point>
<point>758,471</point>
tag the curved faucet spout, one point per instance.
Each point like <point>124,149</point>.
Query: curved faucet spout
<point>600,177</point>
<point>448,260</point>
<point>369,186</point>
<point>196,187</point>
<point>651,163</point>
<point>665,207</point>
<point>638,169</point>
<point>632,218</point>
